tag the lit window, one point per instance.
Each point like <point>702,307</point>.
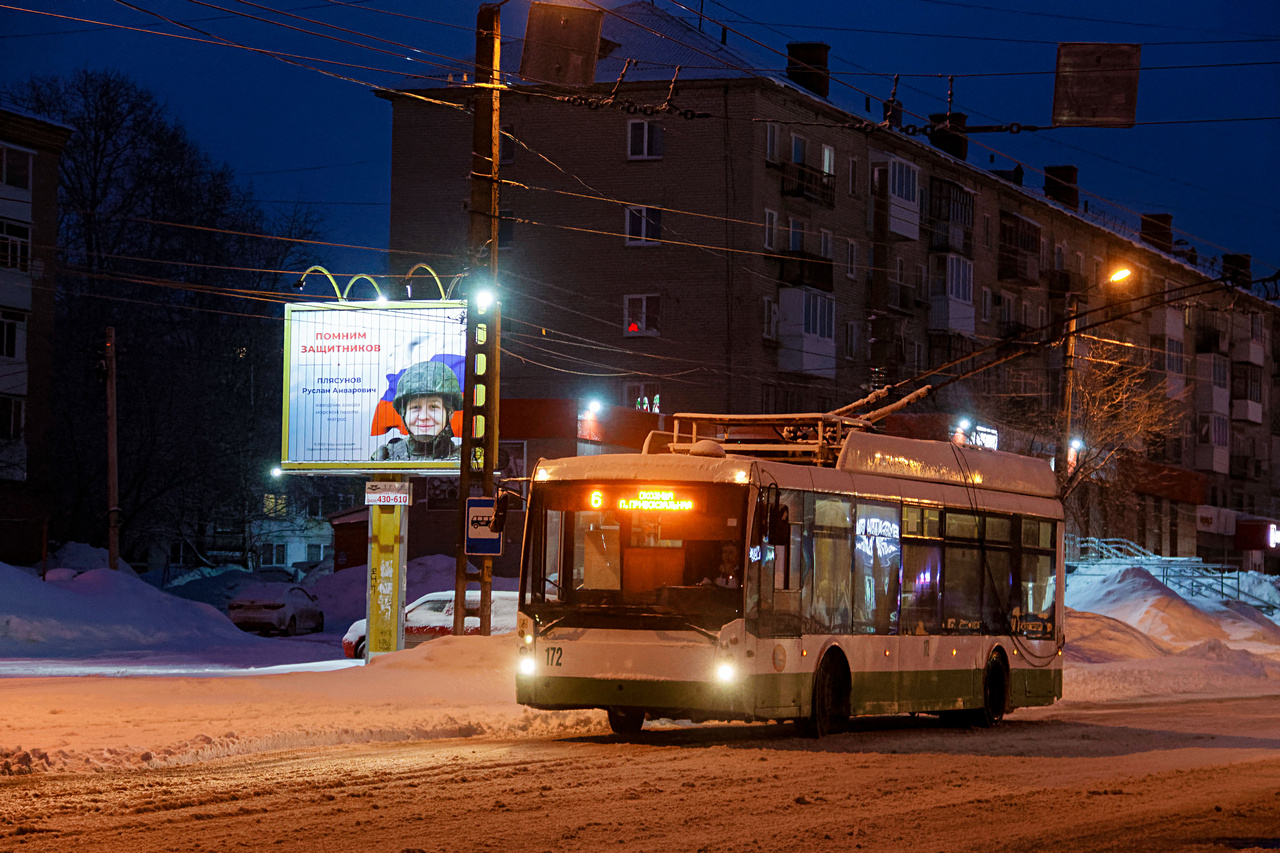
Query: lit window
<point>273,506</point>
<point>641,314</point>
<point>645,396</point>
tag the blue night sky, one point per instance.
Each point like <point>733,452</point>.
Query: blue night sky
<point>296,134</point>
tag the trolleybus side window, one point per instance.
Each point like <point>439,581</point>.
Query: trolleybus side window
<point>921,569</point>
<point>1036,591</point>
<point>997,575</point>
<point>962,574</point>
<point>877,561</point>
<point>830,606</point>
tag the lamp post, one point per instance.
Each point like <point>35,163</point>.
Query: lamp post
<point>1060,460</point>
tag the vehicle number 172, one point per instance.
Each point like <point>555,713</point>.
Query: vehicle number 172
<point>554,654</point>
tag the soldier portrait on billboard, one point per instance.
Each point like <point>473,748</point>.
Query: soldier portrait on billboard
<point>426,396</point>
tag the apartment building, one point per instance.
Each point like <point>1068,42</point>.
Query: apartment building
<point>29,153</point>
<point>738,242</point>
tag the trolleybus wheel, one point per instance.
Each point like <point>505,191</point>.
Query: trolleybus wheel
<point>830,710</point>
<point>626,721</point>
<point>995,692</point>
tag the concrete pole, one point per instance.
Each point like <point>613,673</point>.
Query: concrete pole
<point>113,473</point>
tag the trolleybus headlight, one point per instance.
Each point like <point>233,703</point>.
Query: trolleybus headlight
<point>725,673</point>
<point>527,665</point>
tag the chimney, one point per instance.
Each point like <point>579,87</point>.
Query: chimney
<point>1157,231</point>
<point>950,138</point>
<point>807,66</point>
<point>1013,176</point>
<point>1238,269</point>
<point>1061,183</point>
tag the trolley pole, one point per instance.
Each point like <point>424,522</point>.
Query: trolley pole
<point>480,403</point>
<point>113,465</point>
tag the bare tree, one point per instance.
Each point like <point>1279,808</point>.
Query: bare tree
<point>160,242</point>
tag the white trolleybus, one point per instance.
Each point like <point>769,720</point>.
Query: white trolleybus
<point>821,573</point>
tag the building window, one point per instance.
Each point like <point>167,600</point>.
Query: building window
<point>642,314</point>
<point>904,180</point>
<point>851,259</point>
<point>1221,370</point>
<point>313,552</point>
<point>920,279</point>
<point>1246,383</point>
<point>1175,356</point>
<point>819,316</point>
<point>899,270</point>
<point>12,324</point>
<point>1213,430</point>
<point>986,304</point>
<point>274,506</point>
<point>1060,256</point>
<point>644,226</point>
<point>770,319</point>
<point>506,229</point>
<point>15,167</point>
<point>644,140</point>
<point>770,229</point>
<point>771,142</point>
<point>644,396</point>
<point>960,278</point>
<point>11,411</point>
<point>507,144</point>
<point>15,245</point>
<point>852,340</point>
<point>799,149</point>
<point>795,239</point>
<point>853,176</point>
<point>828,160</point>
<point>274,554</point>
<point>986,230</point>
<point>825,247</point>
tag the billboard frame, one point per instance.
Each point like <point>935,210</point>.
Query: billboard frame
<point>437,467</point>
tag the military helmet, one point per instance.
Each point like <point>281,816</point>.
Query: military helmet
<point>428,378</point>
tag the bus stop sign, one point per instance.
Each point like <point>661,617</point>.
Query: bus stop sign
<point>481,540</point>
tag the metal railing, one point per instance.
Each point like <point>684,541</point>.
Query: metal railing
<point>1190,576</point>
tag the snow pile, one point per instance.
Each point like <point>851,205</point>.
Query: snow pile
<point>101,613</point>
<point>1137,598</point>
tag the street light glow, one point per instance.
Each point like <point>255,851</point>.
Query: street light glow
<point>1120,275</point>
<point>277,472</point>
<point>484,299</point>
<point>594,407</point>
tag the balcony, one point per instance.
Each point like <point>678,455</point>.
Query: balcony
<point>807,182</point>
<point>802,269</point>
<point>951,238</point>
<point>1018,265</point>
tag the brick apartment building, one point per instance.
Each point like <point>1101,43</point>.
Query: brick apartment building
<point>29,153</point>
<point>756,248</point>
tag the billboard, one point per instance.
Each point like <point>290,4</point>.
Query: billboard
<point>374,386</point>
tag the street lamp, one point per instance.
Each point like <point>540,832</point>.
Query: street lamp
<point>1062,464</point>
<point>341,293</point>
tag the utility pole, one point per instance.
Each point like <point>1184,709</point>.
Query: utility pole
<point>480,403</point>
<point>1061,457</point>
<point>113,474</point>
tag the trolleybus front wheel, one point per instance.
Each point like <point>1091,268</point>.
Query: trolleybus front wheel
<point>626,721</point>
<point>831,710</point>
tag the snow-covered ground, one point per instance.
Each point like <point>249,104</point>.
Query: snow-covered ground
<point>1128,637</point>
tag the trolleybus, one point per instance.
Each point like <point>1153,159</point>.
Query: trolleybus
<point>868,574</point>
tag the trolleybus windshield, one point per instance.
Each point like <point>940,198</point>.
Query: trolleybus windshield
<point>657,549</point>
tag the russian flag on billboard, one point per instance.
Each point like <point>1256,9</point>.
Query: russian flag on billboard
<point>385,416</point>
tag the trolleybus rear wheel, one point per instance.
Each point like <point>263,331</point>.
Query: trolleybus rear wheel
<point>995,692</point>
<point>626,721</point>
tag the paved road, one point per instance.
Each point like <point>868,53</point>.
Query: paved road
<point>1170,776</point>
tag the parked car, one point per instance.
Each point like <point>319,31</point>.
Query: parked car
<point>284,608</point>
<point>431,616</point>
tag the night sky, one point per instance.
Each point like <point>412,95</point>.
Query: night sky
<point>1204,149</point>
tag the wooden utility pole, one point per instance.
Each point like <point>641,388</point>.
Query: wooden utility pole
<point>113,475</point>
<point>480,403</point>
